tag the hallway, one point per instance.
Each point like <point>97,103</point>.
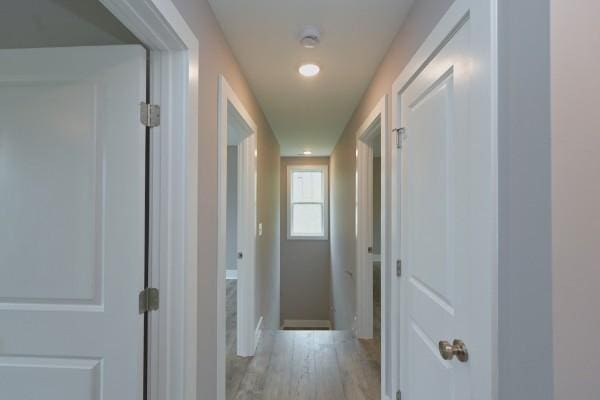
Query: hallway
<point>311,365</point>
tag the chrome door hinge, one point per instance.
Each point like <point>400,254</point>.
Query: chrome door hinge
<point>400,133</point>
<point>148,300</point>
<point>398,267</point>
<point>398,395</point>
<point>149,115</point>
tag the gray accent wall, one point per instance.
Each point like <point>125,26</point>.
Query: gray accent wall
<point>525,265</point>
<point>304,263</point>
<point>217,58</point>
<point>575,55</point>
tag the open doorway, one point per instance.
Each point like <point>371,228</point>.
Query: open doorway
<point>239,323</point>
<point>77,171</point>
<point>372,234</point>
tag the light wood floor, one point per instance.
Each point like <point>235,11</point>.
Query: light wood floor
<point>310,365</point>
<point>236,366</point>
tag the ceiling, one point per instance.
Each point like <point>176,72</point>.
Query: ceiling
<point>58,23</point>
<point>309,114</point>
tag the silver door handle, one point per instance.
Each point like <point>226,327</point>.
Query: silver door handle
<point>457,349</point>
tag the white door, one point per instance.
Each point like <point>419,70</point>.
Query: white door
<point>72,223</point>
<point>246,240</point>
<point>446,230</point>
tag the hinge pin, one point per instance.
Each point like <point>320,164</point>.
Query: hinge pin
<point>149,115</point>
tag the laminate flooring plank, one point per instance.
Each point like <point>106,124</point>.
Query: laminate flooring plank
<point>302,383</point>
<point>329,379</point>
<point>253,383</point>
<point>360,373</point>
<point>311,365</point>
<point>279,371</point>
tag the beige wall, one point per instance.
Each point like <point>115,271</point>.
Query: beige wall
<point>576,198</point>
<point>216,58</point>
<point>422,17</point>
<point>304,263</point>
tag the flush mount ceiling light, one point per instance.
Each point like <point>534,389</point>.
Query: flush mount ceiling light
<point>309,70</point>
<point>310,37</point>
<point>307,153</point>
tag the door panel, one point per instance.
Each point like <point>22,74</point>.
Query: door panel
<point>72,154</point>
<point>436,192</point>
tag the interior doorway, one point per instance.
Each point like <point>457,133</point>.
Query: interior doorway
<point>372,235</point>
<point>86,173</point>
<point>239,323</point>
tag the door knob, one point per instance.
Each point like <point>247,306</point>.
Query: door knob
<point>457,348</point>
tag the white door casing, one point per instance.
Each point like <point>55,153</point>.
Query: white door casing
<point>237,128</point>
<point>72,152</point>
<point>375,124</point>
<point>445,188</point>
<point>246,241</point>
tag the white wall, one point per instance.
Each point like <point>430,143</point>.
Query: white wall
<point>232,198</point>
<point>576,197</point>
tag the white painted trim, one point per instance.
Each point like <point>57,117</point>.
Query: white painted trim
<point>483,16</point>
<point>247,174</point>
<point>306,323</point>
<point>258,332</point>
<point>375,123</point>
<point>316,167</point>
<point>174,58</point>
<point>231,274</point>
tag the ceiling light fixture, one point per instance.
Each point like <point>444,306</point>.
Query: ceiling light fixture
<point>307,153</point>
<point>309,70</point>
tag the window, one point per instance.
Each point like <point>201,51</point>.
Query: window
<point>307,202</point>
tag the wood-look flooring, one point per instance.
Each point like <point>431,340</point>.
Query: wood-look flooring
<point>302,365</point>
<point>236,366</point>
<point>310,365</point>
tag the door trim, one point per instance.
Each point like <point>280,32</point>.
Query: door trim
<point>248,331</point>
<point>483,17</point>
<point>173,267</point>
<point>375,123</point>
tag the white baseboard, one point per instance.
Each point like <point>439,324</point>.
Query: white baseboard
<point>306,324</point>
<point>258,333</point>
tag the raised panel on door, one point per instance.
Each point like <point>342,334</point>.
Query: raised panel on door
<point>72,187</point>
<point>434,171</point>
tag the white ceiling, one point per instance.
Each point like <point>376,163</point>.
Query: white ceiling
<point>58,23</point>
<point>309,113</point>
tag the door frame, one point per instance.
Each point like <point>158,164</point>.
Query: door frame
<point>173,266</point>
<point>248,332</point>
<point>483,17</point>
<point>375,123</point>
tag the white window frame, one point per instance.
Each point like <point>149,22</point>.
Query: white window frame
<point>324,170</point>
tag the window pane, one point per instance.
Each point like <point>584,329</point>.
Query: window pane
<point>307,186</point>
<point>307,220</point>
